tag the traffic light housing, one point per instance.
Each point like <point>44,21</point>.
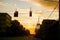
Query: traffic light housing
<point>16,14</point>
<point>30,14</point>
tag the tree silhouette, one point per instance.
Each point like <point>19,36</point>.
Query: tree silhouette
<point>27,32</point>
<point>18,29</point>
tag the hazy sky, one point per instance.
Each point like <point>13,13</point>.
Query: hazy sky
<point>46,3</point>
<point>40,8</point>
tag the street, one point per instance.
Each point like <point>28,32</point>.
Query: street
<point>19,38</point>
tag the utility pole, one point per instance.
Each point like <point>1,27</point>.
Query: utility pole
<point>38,24</point>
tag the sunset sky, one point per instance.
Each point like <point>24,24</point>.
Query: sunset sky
<point>40,8</point>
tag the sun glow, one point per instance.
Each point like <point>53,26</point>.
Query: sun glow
<point>27,21</point>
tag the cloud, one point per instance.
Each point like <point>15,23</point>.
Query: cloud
<point>23,0</point>
<point>47,3</point>
<point>2,4</point>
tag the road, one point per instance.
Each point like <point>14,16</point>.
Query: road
<point>19,38</point>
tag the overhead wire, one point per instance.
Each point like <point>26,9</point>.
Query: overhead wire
<point>52,11</point>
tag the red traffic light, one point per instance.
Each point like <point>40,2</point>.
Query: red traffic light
<point>16,14</point>
<point>30,14</point>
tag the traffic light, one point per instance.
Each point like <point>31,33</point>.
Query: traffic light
<point>30,13</point>
<point>16,14</point>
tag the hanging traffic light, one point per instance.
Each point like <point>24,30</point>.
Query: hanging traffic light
<point>16,14</point>
<point>30,14</point>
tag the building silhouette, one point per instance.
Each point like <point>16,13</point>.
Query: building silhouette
<point>5,21</point>
<point>46,27</point>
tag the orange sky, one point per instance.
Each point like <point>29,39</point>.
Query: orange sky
<point>32,30</point>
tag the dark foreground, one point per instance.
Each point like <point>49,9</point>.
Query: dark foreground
<point>19,38</point>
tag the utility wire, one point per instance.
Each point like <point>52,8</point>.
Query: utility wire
<point>52,11</point>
